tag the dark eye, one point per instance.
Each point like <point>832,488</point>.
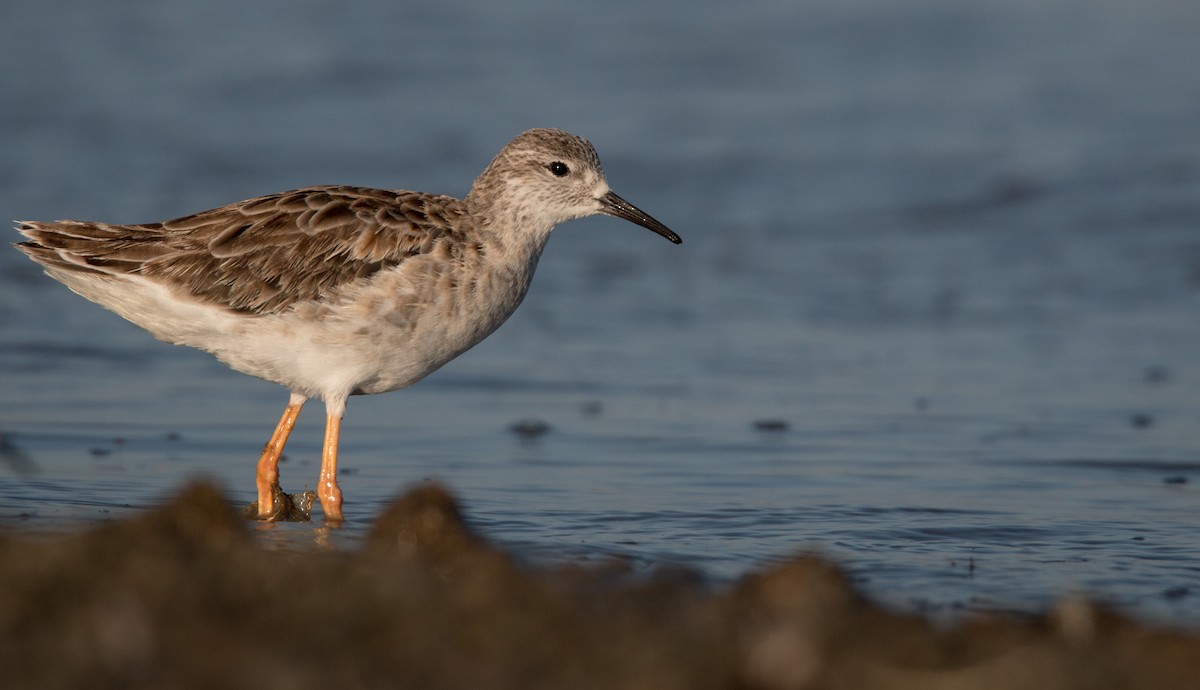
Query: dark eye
<point>558,168</point>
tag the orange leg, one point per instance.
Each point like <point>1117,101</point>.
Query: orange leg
<point>268,465</point>
<point>327,487</point>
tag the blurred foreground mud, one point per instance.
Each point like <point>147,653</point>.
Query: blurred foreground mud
<point>185,597</point>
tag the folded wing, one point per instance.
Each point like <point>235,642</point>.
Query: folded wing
<point>264,254</point>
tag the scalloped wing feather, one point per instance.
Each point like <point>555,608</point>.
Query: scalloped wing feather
<point>262,255</point>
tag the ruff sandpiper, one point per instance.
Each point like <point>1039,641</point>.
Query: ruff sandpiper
<point>336,291</point>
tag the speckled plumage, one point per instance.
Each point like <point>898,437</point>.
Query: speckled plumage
<point>333,291</point>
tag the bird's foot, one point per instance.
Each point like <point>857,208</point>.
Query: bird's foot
<point>285,507</point>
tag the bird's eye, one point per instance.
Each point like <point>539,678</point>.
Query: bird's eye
<point>558,168</point>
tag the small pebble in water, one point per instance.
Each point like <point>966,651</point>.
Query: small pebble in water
<point>1141,421</point>
<point>771,425</point>
<point>1157,374</point>
<point>529,428</point>
<point>1175,480</point>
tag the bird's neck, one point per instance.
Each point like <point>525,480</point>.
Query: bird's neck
<point>513,221</point>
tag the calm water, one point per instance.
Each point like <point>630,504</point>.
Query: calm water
<point>953,248</point>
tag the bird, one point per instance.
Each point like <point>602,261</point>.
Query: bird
<point>335,291</point>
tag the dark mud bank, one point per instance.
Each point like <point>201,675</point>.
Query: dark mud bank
<point>185,596</point>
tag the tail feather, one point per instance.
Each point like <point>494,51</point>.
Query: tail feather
<point>99,248</point>
<point>55,260</point>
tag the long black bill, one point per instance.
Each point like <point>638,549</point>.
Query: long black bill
<point>614,205</point>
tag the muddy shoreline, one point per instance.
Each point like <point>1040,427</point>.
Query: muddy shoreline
<point>184,596</point>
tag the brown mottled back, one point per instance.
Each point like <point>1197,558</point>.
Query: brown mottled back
<point>264,254</point>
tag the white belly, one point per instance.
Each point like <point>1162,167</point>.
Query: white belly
<point>385,334</point>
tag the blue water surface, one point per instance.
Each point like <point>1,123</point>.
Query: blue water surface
<point>936,315</point>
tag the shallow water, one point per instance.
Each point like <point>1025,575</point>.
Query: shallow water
<point>952,248</point>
